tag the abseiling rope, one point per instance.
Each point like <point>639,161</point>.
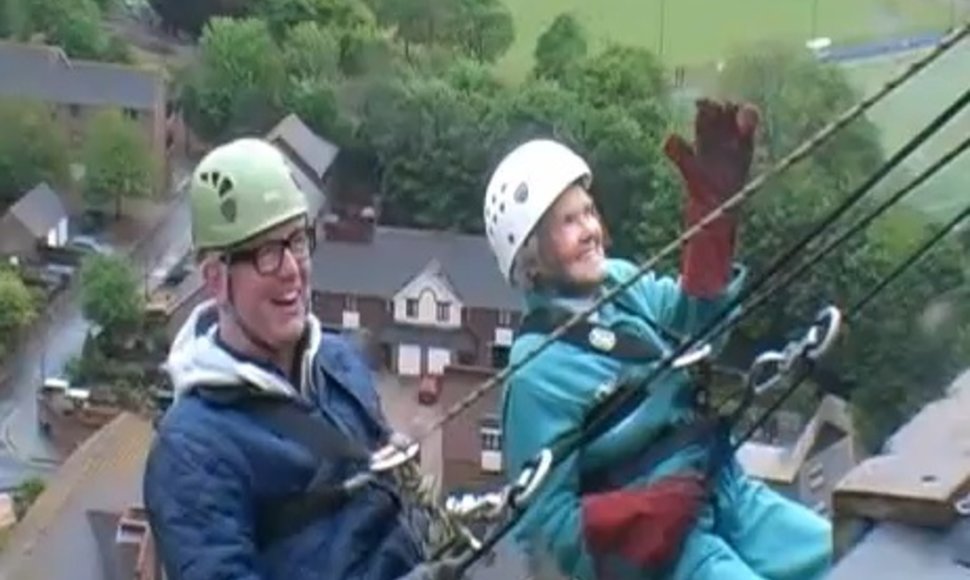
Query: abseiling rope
<point>855,228</point>
<point>800,153</point>
<point>858,307</point>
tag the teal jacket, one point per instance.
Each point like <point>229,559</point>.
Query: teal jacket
<point>554,392</point>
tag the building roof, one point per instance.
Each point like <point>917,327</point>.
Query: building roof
<point>315,197</point>
<point>39,210</point>
<point>55,540</point>
<point>314,150</point>
<point>925,464</point>
<point>396,255</point>
<point>781,464</point>
<point>894,551</point>
<point>45,73</point>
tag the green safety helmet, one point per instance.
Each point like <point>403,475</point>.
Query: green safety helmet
<point>239,190</point>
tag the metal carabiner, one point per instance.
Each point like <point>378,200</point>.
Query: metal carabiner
<point>399,451</point>
<point>776,362</point>
<point>530,479</point>
<point>962,506</point>
<point>817,346</point>
<point>692,357</point>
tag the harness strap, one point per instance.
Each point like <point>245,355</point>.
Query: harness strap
<point>706,432</point>
<point>288,514</point>
<point>588,335</point>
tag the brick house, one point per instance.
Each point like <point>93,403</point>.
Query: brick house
<point>78,89</point>
<point>38,219</point>
<point>426,299</point>
<point>471,443</point>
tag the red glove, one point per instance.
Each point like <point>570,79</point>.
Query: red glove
<point>714,169</point>
<point>644,527</point>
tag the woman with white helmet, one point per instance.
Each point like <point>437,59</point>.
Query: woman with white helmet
<point>632,504</point>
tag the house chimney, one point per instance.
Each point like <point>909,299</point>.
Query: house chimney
<point>352,222</point>
<point>354,207</point>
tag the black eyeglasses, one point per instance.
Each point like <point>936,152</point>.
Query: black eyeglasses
<point>267,258</point>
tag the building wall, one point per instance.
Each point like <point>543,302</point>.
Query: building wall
<point>155,124</point>
<point>374,313</point>
<point>483,324</point>
<point>461,446</point>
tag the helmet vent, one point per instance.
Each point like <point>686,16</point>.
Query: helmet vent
<point>223,186</point>
<point>521,193</point>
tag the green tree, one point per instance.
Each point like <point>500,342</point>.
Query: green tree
<point>792,88</point>
<point>433,142</point>
<point>240,69</point>
<point>482,29</point>
<point>17,308</point>
<point>560,48</point>
<point>118,162</point>
<point>894,367</point>
<point>338,15</point>
<point>26,494</point>
<point>311,51</point>
<point>73,25</point>
<point>417,21</point>
<point>13,18</point>
<point>438,136</point>
<point>627,77</point>
<point>191,16</point>
<point>33,148</point>
<point>111,296</point>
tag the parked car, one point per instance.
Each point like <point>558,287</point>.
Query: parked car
<point>88,245</point>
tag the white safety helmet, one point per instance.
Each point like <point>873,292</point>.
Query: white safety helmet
<point>523,187</point>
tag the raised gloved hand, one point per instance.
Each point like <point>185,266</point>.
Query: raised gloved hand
<point>644,527</point>
<point>714,168</point>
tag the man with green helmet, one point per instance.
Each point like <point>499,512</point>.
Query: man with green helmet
<point>247,477</point>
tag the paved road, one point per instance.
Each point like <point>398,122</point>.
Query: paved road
<point>23,449</point>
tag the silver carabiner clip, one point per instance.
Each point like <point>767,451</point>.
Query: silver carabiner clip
<point>777,363</point>
<point>395,454</point>
<point>816,346</point>
<point>530,479</point>
<point>692,357</point>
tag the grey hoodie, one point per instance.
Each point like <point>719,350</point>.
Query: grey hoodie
<point>196,358</point>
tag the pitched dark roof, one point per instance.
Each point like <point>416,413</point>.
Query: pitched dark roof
<point>39,210</point>
<point>43,72</point>
<point>314,150</point>
<point>396,255</point>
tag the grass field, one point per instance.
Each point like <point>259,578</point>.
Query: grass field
<point>700,31</point>
<point>912,106</point>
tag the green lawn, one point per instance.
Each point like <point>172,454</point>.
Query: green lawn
<point>912,106</point>
<point>700,31</point>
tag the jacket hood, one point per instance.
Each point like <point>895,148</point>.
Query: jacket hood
<point>197,358</point>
